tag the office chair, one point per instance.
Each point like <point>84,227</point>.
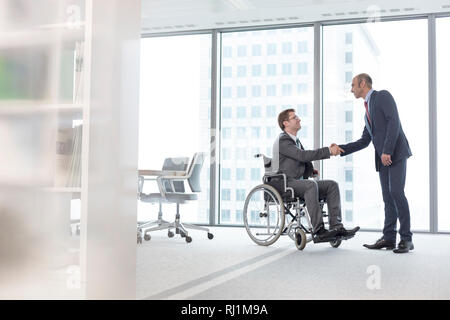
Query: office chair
<point>193,178</point>
<point>170,164</point>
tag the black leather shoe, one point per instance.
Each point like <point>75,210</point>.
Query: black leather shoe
<point>324,235</point>
<point>380,244</point>
<point>342,232</point>
<point>404,246</point>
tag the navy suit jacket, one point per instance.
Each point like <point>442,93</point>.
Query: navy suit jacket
<point>386,134</point>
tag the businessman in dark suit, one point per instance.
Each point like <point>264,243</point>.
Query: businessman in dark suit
<point>392,150</point>
<point>290,158</point>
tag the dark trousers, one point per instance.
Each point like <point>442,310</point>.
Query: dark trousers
<point>392,179</point>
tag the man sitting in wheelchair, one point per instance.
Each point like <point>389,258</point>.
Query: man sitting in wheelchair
<point>290,158</point>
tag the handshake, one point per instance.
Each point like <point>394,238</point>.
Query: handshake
<point>335,150</point>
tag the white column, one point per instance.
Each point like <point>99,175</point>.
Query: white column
<point>110,149</point>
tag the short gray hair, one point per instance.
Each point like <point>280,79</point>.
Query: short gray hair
<point>366,78</point>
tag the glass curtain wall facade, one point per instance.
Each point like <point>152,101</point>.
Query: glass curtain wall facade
<point>401,67</point>
<point>263,73</point>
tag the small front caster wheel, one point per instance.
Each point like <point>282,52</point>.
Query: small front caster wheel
<point>335,243</point>
<point>188,239</point>
<point>210,236</point>
<point>170,234</point>
<point>147,237</point>
<point>300,239</point>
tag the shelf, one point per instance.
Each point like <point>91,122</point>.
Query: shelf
<point>41,36</point>
<point>63,189</point>
<point>26,107</point>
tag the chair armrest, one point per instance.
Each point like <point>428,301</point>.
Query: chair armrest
<point>171,179</point>
<point>159,173</point>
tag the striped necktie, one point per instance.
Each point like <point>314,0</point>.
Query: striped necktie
<point>297,142</point>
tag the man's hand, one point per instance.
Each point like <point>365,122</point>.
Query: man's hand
<point>386,159</point>
<point>335,149</point>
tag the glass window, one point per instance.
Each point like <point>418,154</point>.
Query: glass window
<point>239,217</point>
<point>262,98</point>
<point>349,215</point>
<point>241,132</point>
<point>349,116</point>
<point>241,91</point>
<point>348,77</point>
<point>286,89</point>
<point>348,57</point>
<point>225,217</point>
<point>271,111</point>
<point>226,72</point>
<point>303,133</point>
<point>241,153</point>
<point>240,174</point>
<point>348,175</point>
<point>348,136</point>
<point>256,111</point>
<point>271,49</point>
<point>242,51</point>
<point>271,69</point>
<point>256,91</point>
<point>226,174</point>
<point>226,194</point>
<point>270,133</point>
<point>256,50</point>
<point>226,133</point>
<point>240,195</point>
<point>226,92</point>
<point>165,69</point>
<point>241,71</point>
<point>302,47</point>
<point>302,68</point>
<point>287,47</point>
<point>227,52</point>
<point>348,38</point>
<point>226,154</point>
<point>256,132</point>
<point>376,50</point>
<point>286,69</point>
<point>443,116</point>
<point>256,70</point>
<point>271,90</point>
<point>302,110</point>
<point>226,112</point>
<point>302,88</point>
<point>349,195</point>
<point>241,112</point>
<point>256,174</point>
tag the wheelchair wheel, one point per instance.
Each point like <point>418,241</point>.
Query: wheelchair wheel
<point>335,243</point>
<point>264,215</point>
<point>300,239</point>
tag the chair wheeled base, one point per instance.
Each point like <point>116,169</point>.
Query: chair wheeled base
<point>180,228</point>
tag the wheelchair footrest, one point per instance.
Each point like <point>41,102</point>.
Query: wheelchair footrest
<point>319,240</point>
<point>345,237</point>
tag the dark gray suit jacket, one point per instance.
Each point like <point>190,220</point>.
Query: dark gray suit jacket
<point>294,161</point>
<point>386,133</point>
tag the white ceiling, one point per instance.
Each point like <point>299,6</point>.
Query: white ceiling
<point>181,15</point>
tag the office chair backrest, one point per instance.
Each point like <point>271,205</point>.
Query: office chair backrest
<point>195,170</point>
<point>175,164</point>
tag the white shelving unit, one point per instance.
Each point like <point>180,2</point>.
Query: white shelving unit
<point>105,102</point>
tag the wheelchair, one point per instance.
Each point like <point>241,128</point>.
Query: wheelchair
<point>271,210</point>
